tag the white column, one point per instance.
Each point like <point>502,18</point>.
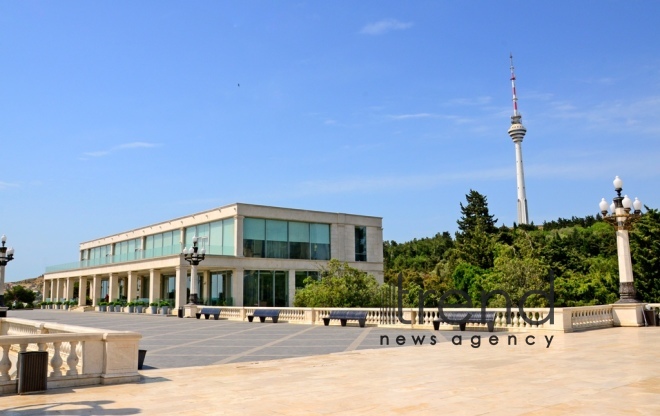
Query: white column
<point>69,288</point>
<point>82,291</point>
<point>623,251</point>
<point>237,287</point>
<point>96,289</point>
<point>154,285</point>
<point>60,289</point>
<point>181,286</point>
<point>238,235</point>
<point>205,291</point>
<point>113,290</point>
<point>193,281</point>
<point>292,286</point>
<point>46,293</point>
<point>132,286</point>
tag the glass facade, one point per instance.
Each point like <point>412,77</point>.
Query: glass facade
<point>265,288</point>
<point>162,244</point>
<point>216,237</point>
<point>219,290</point>
<point>168,288</point>
<point>285,239</point>
<point>360,243</point>
<point>301,275</point>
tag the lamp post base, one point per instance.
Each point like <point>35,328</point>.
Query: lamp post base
<point>192,300</point>
<point>627,293</point>
<point>2,300</point>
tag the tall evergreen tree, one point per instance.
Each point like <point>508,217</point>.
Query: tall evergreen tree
<point>475,214</point>
<point>476,235</point>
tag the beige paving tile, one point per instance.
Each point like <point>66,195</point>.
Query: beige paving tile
<point>610,371</point>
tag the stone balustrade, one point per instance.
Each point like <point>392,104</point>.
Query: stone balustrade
<point>565,319</point>
<point>77,356</point>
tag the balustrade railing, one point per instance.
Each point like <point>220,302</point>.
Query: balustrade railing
<point>77,356</point>
<point>564,319</point>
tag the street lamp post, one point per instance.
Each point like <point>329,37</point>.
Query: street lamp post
<point>622,220</point>
<point>193,256</point>
<point>6,255</point>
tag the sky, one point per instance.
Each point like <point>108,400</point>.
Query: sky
<point>119,114</point>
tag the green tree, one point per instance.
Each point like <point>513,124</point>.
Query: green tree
<point>476,235</point>
<point>20,294</point>
<point>340,286</point>
<point>645,251</point>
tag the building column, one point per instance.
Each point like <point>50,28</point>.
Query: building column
<point>82,291</point>
<point>205,290</point>
<point>131,292</point>
<point>69,288</point>
<point>154,285</point>
<point>181,284</point>
<point>96,290</point>
<point>46,293</point>
<point>60,289</point>
<point>292,287</point>
<point>237,287</point>
<point>238,235</point>
<point>113,289</point>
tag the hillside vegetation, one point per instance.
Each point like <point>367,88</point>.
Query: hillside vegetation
<point>580,252</point>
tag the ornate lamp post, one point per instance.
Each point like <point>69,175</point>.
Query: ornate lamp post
<point>194,257</point>
<point>6,255</point>
<point>622,220</point>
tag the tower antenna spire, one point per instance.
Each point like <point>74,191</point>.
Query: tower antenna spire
<point>513,88</point>
<point>517,133</point>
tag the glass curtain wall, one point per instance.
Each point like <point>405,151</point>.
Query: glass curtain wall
<point>302,275</point>
<point>220,289</point>
<point>265,288</point>
<point>162,244</point>
<point>216,237</point>
<point>285,239</point>
<point>168,289</point>
<point>105,289</point>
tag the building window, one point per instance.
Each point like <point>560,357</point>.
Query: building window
<point>302,275</point>
<point>265,288</point>
<point>254,237</point>
<point>360,243</point>
<point>277,239</point>
<point>220,289</point>
<point>319,235</point>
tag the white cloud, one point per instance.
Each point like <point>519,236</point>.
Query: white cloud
<point>638,116</point>
<point>124,146</point>
<point>384,26</point>
<point>7,185</point>
<point>417,116</point>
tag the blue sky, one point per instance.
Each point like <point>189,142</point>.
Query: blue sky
<point>119,114</point>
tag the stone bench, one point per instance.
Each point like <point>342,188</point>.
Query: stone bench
<point>461,318</point>
<point>207,312</point>
<point>344,316</point>
<point>262,314</point>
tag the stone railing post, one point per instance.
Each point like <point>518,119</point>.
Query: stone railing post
<point>5,363</point>
<point>121,355</point>
<point>56,361</point>
<point>72,359</point>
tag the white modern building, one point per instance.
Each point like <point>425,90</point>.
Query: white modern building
<point>255,255</point>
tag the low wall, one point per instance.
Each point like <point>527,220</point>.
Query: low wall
<point>564,319</point>
<point>77,356</point>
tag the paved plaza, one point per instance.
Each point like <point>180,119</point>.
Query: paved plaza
<point>343,371</point>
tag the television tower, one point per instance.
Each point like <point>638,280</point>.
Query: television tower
<point>517,132</point>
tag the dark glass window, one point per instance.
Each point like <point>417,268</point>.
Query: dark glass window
<point>360,243</point>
